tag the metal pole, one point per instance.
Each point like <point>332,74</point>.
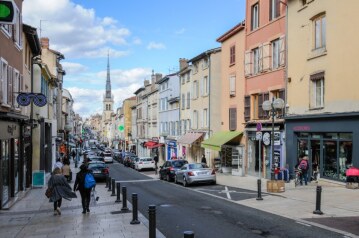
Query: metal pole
<point>318,200</point>
<point>124,197</point>
<point>118,193</point>
<point>152,221</point>
<point>113,187</point>
<point>109,184</point>
<point>134,210</point>
<point>77,151</point>
<point>188,234</point>
<point>260,159</point>
<point>272,141</point>
<point>259,184</point>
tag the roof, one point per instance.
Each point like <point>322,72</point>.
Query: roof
<point>139,90</point>
<point>231,32</point>
<point>202,55</point>
<point>32,38</point>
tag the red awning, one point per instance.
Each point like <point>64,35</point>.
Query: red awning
<point>149,143</point>
<point>155,146</point>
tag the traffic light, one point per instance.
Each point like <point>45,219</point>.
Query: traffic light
<point>6,11</point>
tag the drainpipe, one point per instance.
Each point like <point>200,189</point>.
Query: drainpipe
<point>209,96</point>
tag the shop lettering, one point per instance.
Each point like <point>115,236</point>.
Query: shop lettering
<point>11,129</point>
<point>301,128</point>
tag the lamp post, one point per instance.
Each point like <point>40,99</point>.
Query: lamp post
<point>68,129</point>
<point>272,107</point>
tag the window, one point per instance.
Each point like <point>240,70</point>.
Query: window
<point>195,68</point>
<point>188,100</point>
<point>232,55</point>
<point>7,29</point>
<point>195,119</point>
<point>195,89</point>
<point>188,76</point>
<point>205,86</point>
<point>247,108</point>
<point>16,85</point>
<point>255,61</point>
<point>274,9</point>
<point>232,86</point>
<point>183,101</point>
<point>205,118</point>
<point>233,119</point>
<point>205,63</point>
<point>318,90</point>
<point>255,17</point>
<point>17,29</point>
<point>319,32</point>
<point>261,98</point>
<point>275,54</point>
<point>10,85</point>
<point>4,80</point>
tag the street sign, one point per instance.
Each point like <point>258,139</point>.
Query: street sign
<point>7,11</point>
<point>259,126</point>
<point>266,138</point>
<point>258,135</point>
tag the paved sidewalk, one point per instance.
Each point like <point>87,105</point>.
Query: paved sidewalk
<point>33,216</point>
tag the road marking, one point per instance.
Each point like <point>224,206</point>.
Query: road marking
<point>134,181</point>
<point>304,224</point>
<point>228,194</point>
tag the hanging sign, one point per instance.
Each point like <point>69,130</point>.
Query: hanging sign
<point>24,99</point>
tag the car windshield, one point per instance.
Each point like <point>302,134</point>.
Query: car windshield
<point>178,163</point>
<point>197,166</point>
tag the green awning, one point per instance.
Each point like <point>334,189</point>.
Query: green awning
<point>220,138</point>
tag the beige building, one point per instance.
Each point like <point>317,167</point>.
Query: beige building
<point>322,87</point>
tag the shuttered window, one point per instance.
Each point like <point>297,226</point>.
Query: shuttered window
<point>10,89</point>
<point>274,9</point>
<point>260,109</point>
<point>183,101</point>
<point>233,119</point>
<point>248,63</point>
<point>281,94</point>
<point>232,53</point>
<point>232,86</point>
<point>247,108</point>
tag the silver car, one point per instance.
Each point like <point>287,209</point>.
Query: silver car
<point>195,173</point>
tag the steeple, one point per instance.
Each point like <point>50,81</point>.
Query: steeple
<point>108,80</point>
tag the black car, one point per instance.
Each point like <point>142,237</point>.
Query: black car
<point>169,168</point>
<point>99,169</point>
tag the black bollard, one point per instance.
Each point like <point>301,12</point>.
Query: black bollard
<point>318,201</point>
<point>118,193</point>
<point>152,221</point>
<point>134,210</point>
<point>188,234</point>
<point>259,185</point>
<point>124,198</point>
<point>109,184</point>
<point>106,181</point>
<point>113,187</point>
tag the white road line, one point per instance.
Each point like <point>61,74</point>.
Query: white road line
<point>228,194</point>
<point>134,181</point>
<point>304,224</point>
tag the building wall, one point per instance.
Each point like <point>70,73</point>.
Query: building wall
<point>338,60</point>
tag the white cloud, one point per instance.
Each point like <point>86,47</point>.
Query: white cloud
<point>73,68</point>
<point>180,31</point>
<point>122,78</point>
<point>156,46</point>
<point>136,41</point>
<point>73,29</point>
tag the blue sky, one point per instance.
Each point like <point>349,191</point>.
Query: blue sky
<point>140,35</point>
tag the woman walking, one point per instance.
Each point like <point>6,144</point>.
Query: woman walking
<point>60,189</point>
<point>80,186</point>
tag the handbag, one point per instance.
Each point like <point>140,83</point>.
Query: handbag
<point>48,192</point>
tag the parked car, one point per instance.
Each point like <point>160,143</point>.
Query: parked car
<point>130,161</point>
<point>94,158</point>
<point>169,168</point>
<point>117,156</point>
<point>195,173</point>
<point>99,169</point>
<point>107,157</point>
<point>144,163</point>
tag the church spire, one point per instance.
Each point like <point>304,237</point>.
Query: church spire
<point>108,80</point>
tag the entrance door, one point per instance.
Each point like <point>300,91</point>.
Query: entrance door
<point>315,159</point>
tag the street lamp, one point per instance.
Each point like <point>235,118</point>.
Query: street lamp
<point>68,129</point>
<point>272,107</point>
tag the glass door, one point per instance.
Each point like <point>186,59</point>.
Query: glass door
<point>5,159</point>
<point>315,159</point>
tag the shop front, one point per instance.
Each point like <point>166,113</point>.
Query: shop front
<point>330,141</point>
<point>189,146</point>
<point>231,152</point>
<point>153,146</point>
<point>171,148</point>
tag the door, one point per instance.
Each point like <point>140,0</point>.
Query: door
<point>5,168</point>
<point>314,170</point>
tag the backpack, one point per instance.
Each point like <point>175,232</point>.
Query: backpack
<point>303,165</point>
<point>89,181</point>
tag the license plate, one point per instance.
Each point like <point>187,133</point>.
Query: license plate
<point>96,172</point>
<point>201,173</point>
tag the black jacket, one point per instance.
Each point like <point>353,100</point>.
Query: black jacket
<point>80,180</point>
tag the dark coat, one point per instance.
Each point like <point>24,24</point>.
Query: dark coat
<point>60,188</point>
<point>80,180</point>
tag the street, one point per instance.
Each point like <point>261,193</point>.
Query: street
<point>199,209</point>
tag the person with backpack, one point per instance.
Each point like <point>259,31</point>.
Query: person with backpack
<point>84,183</point>
<point>304,166</point>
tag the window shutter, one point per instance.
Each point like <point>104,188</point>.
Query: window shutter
<point>282,96</point>
<point>201,86</point>
<point>266,57</point>
<point>233,119</point>
<point>260,58</point>
<point>260,109</point>
<point>265,98</point>
<point>282,55</point>
<point>248,63</point>
<point>247,108</point>
<point>10,85</point>
<point>232,86</point>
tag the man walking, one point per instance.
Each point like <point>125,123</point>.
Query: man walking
<point>156,162</point>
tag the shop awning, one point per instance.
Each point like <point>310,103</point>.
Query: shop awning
<point>155,146</point>
<point>220,138</point>
<point>189,138</point>
<point>149,143</point>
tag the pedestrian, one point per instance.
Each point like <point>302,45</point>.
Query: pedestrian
<point>73,154</point>
<point>304,166</point>
<point>58,164</point>
<point>156,162</point>
<point>66,170</point>
<point>80,186</point>
<point>60,189</point>
<point>204,160</point>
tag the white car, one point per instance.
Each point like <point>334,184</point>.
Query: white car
<point>144,163</point>
<point>107,157</point>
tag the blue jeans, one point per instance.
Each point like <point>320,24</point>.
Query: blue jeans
<point>304,175</point>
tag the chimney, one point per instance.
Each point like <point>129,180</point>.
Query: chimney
<point>158,77</point>
<point>183,63</point>
<point>153,77</point>
<point>146,82</point>
<point>44,42</point>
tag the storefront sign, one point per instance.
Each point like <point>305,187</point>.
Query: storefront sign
<point>266,138</point>
<point>277,138</point>
<point>258,135</point>
<point>301,128</point>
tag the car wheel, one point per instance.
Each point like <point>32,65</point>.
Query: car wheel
<point>185,184</point>
<point>168,178</point>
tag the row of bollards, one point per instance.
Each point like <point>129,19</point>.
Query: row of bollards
<point>112,185</point>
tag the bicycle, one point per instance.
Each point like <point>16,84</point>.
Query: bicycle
<point>298,174</point>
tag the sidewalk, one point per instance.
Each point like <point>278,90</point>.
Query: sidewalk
<point>32,216</point>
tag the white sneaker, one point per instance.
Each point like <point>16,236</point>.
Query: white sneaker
<point>55,212</point>
<point>58,211</point>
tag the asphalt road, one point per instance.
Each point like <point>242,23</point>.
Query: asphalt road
<point>196,209</point>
